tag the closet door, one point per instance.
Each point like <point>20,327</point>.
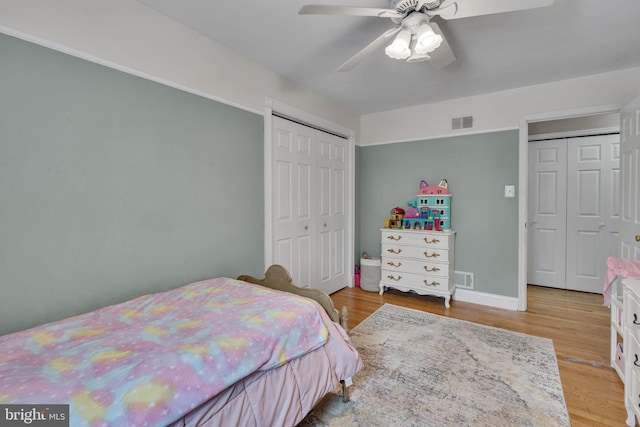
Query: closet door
<point>332,212</point>
<point>310,206</point>
<point>592,213</point>
<point>547,213</point>
<point>573,211</point>
<point>293,205</point>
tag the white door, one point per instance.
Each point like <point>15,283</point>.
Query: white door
<point>332,215</point>
<point>573,219</point>
<point>630,181</point>
<point>292,200</point>
<point>309,191</point>
<point>592,213</point>
<point>547,213</point>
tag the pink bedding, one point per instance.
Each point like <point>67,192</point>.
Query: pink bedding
<point>153,359</point>
<point>281,396</point>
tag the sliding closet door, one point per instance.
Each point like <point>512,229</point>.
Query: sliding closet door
<point>310,218</point>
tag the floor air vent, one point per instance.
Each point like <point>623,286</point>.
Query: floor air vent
<point>465,122</point>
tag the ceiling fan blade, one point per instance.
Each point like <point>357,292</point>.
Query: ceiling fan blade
<point>467,8</point>
<point>313,9</point>
<point>443,55</point>
<point>369,49</point>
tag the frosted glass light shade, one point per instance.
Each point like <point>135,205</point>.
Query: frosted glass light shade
<point>392,53</point>
<point>399,49</point>
<point>426,40</point>
<point>402,41</point>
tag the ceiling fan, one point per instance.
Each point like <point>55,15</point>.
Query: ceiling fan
<point>417,37</point>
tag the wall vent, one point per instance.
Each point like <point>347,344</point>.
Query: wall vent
<point>465,122</point>
<point>463,279</point>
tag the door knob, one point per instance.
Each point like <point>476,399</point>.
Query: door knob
<point>637,237</point>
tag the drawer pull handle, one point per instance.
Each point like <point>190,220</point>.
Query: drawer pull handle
<point>433,255</point>
<point>431,270</point>
<point>428,242</point>
<point>635,362</point>
<point>635,319</point>
<point>394,278</point>
<point>396,238</point>
<point>394,251</point>
<point>434,283</point>
<point>393,264</point>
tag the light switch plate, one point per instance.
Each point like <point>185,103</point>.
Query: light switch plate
<point>509,191</point>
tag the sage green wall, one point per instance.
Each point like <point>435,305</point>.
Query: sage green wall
<point>477,168</point>
<point>112,186</point>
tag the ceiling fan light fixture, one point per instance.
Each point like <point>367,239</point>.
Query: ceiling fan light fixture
<point>392,53</point>
<point>415,55</point>
<point>426,39</point>
<point>402,41</point>
<point>399,48</point>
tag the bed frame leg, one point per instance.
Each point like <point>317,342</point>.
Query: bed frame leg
<point>344,318</point>
<point>345,391</point>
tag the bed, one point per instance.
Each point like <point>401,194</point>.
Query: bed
<point>245,351</point>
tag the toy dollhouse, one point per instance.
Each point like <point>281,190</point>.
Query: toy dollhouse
<point>431,209</point>
<point>397,215</point>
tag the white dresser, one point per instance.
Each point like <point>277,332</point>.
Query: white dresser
<point>419,261</point>
<point>631,336</point>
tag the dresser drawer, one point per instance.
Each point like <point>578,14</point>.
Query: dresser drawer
<point>632,382</point>
<point>632,353</point>
<point>417,238</point>
<point>634,395</point>
<point>415,266</point>
<point>632,314</point>
<point>426,254</point>
<point>415,281</point>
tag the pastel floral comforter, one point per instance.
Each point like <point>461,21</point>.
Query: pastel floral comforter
<point>150,360</point>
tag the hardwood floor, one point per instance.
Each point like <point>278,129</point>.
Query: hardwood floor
<point>577,323</point>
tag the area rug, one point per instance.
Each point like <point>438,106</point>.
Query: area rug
<point>423,369</point>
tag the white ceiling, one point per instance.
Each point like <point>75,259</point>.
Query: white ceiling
<point>570,38</point>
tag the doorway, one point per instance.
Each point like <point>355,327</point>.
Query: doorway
<point>525,123</point>
<point>573,209</point>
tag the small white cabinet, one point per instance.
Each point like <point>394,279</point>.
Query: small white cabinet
<point>419,261</point>
<point>631,332</point>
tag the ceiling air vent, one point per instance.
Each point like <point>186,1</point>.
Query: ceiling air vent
<point>465,122</point>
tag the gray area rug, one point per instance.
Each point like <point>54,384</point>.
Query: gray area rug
<point>423,369</point>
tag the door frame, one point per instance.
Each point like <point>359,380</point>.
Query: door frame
<point>523,180</point>
<point>272,106</point>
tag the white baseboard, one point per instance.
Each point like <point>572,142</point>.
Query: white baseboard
<point>492,300</point>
